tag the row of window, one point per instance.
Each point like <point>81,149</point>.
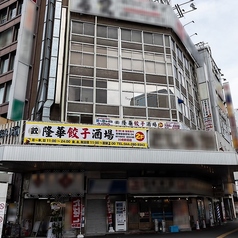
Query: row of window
<point>109,32</point>
<point>127,63</point>
<point>112,51</point>
<point>7,14</point>
<point>111,84</point>
<point>128,98</point>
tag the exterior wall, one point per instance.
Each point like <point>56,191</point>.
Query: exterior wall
<point>215,114</point>
<point>124,80</point>
<point>10,14</point>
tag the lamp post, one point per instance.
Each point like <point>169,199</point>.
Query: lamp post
<point>193,35</point>
<point>188,23</point>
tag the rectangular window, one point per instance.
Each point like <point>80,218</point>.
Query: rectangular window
<point>12,61</point>
<point>150,67</point>
<point>1,93</point>
<point>15,33</point>
<point>4,64</point>
<point>148,38</point>
<point>8,89</point>
<point>12,11</point>
<point>19,9</point>
<point>6,37</point>
<point>158,39</point>
<point>126,35</point>
<point>3,16</point>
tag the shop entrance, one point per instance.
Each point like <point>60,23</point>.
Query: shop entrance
<point>143,212</point>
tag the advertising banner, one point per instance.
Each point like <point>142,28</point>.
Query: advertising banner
<point>76,213</point>
<point>108,121</point>
<point>79,134</point>
<point>207,115</point>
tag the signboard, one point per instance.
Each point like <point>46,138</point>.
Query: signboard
<point>10,133</point>
<point>137,123</point>
<point>56,183</point>
<point>3,195</point>
<point>182,140</point>
<point>207,115</point>
<point>79,134</point>
<point>2,208</point>
<point>76,213</point>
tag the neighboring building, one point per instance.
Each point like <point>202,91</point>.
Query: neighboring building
<point>236,115</point>
<point>100,94</point>
<point>210,84</point>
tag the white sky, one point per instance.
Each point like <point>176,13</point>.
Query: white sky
<point>216,23</point>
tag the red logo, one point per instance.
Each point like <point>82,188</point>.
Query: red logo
<point>140,136</point>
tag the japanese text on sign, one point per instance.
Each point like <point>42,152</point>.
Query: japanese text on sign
<point>76,213</point>
<point>74,134</point>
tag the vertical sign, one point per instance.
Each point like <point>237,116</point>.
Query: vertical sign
<point>109,214</point>
<point>3,196</point>
<point>207,115</point>
<point>76,213</point>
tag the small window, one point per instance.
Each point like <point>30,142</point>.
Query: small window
<point>126,35</point>
<point>77,27</point>
<point>6,37</point>
<point>136,36</point>
<point>102,31</point>
<point>19,9</point>
<point>12,11</point>
<point>112,33</point>
<point>8,89</point>
<point>12,61</point>
<point>15,33</point>
<point>88,29</point>
<point>148,38</point>
<point>3,16</point>
<point>158,39</point>
<point>4,64</point>
<point>1,93</point>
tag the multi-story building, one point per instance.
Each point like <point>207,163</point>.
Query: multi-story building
<point>212,95</point>
<point>105,97</point>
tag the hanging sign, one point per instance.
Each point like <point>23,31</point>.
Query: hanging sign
<point>76,213</point>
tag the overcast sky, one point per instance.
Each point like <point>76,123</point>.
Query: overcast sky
<point>216,23</point>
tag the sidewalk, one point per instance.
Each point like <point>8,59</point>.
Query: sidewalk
<point>207,232</point>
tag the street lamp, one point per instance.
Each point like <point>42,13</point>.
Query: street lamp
<point>193,35</point>
<point>188,23</point>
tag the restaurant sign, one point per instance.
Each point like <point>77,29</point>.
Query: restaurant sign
<point>138,123</point>
<point>81,134</point>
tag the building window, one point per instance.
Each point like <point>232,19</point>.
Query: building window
<point>19,9</point>
<point>5,89</point>
<point>4,64</point>
<point>12,11</point>
<point>83,28</point>
<point>7,63</point>
<point>3,16</point>
<point>1,93</point>
<point>107,32</point>
<point>8,89</point>
<point>6,37</point>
